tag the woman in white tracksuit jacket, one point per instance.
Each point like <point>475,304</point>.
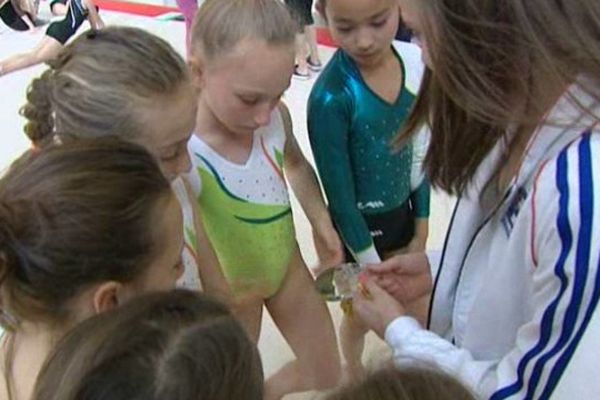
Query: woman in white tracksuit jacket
<point>514,309</point>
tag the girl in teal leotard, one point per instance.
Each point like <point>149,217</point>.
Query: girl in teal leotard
<point>378,197</point>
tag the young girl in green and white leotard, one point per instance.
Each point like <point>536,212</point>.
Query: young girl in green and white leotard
<point>244,149</point>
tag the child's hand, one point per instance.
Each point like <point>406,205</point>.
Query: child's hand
<point>328,245</point>
<point>375,307</point>
<point>406,277</point>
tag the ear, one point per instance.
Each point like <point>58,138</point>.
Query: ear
<point>196,67</point>
<point>107,296</point>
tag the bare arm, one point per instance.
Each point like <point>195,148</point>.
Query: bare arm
<point>26,10</point>
<point>93,16</point>
<point>419,241</point>
<point>303,181</point>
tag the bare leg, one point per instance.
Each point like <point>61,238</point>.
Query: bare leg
<point>301,54</point>
<point>352,342</point>
<point>310,31</point>
<point>304,321</point>
<point>249,312</point>
<point>45,51</point>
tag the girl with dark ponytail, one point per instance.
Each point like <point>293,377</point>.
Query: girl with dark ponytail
<point>65,214</point>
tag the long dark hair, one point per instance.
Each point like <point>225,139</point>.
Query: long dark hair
<point>70,216</point>
<point>178,345</point>
<point>493,62</point>
<point>414,383</point>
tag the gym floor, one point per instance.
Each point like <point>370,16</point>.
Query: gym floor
<point>13,88</point>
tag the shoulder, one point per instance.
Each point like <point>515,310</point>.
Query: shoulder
<point>413,64</point>
<point>283,112</point>
<point>569,181</point>
<point>573,158</point>
<point>331,85</point>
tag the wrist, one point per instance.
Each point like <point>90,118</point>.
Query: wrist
<point>400,329</point>
<point>422,227</point>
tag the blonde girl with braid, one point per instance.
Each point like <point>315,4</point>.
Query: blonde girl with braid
<point>103,85</point>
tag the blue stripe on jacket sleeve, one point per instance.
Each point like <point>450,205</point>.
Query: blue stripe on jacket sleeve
<point>586,204</point>
<point>580,277</point>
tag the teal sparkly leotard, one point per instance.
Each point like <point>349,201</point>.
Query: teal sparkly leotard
<point>350,129</point>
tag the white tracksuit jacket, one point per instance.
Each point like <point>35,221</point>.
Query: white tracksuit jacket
<point>514,312</point>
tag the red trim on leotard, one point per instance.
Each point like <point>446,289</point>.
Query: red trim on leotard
<point>271,162</point>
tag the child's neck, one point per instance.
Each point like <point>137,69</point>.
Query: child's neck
<point>26,350</point>
<point>387,57</point>
<point>234,147</point>
<point>207,126</point>
<point>385,77</point>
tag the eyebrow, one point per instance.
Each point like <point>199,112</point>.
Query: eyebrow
<point>381,14</point>
<point>348,21</point>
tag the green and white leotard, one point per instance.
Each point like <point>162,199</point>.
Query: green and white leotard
<point>246,210</point>
<point>190,278</point>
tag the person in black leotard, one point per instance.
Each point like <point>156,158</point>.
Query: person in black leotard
<point>19,15</point>
<point>57,34</point>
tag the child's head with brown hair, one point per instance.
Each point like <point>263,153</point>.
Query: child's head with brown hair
<point>494,66</point>
<point>178,345</point>
<point>117,81</point>
<point>84,226</point>
<point>242,60</point>
<point>404,384</point>
<point>365,29</point>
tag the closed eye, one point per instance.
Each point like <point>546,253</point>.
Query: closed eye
<point>379,23</point>
<point>249,100</point>
<point>344,29</point>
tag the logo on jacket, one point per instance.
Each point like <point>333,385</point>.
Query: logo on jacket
<point>511,214</point>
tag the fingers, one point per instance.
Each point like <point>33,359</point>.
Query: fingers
<point>370,289</point>
<point>389,265</point>
<point>402,264</point>
<point>402,287</point>
<point>375,306</point>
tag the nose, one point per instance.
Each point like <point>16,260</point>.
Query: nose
<point>263,117</point>
<point>364,40</point>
